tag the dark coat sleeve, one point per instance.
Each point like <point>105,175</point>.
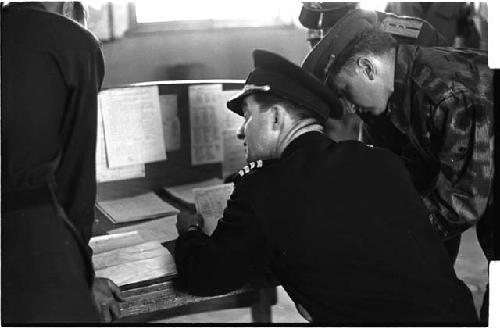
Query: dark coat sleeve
<point>237,250</point>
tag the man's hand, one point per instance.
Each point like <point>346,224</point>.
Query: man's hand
<point>106,294</point>
<point>186,220</point>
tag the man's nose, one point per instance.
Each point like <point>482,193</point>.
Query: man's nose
<point>240,134</point>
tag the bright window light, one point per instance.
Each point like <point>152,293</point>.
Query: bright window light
<point>373,5</point>
<point>196,10</point>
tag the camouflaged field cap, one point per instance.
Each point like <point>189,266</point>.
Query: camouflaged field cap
<point>275,75</point>
<point>321,15</point>
<point>322,57</point>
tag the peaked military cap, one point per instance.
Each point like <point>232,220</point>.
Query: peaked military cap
<point>322,57</point>
<point>321,15</point>
<point>275,75</point>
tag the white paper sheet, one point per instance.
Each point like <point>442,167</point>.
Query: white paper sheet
<point>123,255</point>
<point>163,229</point>
<point>234,153</point>
<point>185,192</point>
<point>133,128</point>
<point>171,123</point>
<point>131,272</point>
<point>205,117</point>
<point>136,208</point>
<point>106,243</point>
<point>210,203</point>
<point>103,173</point>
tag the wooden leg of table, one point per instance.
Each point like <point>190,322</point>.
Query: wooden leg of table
<point>261,309</point>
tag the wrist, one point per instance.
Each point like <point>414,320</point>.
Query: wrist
<point>193,227</point>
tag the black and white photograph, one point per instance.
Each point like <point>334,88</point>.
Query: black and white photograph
<point>248,163</point>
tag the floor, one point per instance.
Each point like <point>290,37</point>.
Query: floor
<point>471,266</point>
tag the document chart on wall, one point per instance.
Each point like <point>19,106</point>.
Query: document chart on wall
<point>133,127</point>
<point>205,117</point>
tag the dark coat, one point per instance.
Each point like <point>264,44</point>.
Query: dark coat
<point>344,232</point>
<point>52,70</point>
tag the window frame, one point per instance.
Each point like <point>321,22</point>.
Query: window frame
<point>190,25</point>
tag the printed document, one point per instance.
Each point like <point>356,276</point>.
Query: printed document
<point>133,130</point>
<point>205,117</point>
<point>184,192</point>
<point>146,206</point>
<point>210,203</point>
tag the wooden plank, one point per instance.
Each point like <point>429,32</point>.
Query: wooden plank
<point>166,298</point>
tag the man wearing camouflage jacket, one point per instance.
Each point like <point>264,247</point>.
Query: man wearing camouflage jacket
<point>431,106</point>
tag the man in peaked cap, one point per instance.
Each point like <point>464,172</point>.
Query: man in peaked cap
<point>319,17</point>
<point>306,208</point>
<point>431,106</point>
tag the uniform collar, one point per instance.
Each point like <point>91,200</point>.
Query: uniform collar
<point>404,58</point>
<point>302,141</point>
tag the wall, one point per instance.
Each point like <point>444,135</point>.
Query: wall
<point>216,53</point>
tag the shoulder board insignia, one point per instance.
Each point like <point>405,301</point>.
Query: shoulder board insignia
<point>408,27</point>
<point>247,168</point>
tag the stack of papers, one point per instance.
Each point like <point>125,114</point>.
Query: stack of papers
<point>146,206</point>
<point>162,230</point>
<point>184,193</point>
<point>125,258</point>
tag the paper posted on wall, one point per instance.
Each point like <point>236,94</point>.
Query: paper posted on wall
<point>133,129</point>
<point>103,172</point>
<point>210,204</point>
<point>171,122</point>
<point>204,115</point>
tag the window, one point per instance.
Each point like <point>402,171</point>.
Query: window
<point>193,14</point>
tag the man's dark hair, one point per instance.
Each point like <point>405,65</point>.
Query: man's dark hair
<point>370,41</point>
<point>298,112</point>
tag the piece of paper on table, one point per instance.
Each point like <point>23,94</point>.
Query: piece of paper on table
<point>210,203</point>
<point>171,123</point>
<point>133,129</point>
<point>103,172</point>
<point>205,116</point>
<point>234,153</point>
<point>106,243</point>
<point>161,230</point>
<point>185,192</point>
<point>136,208</point>
<point>123,255</point>
<point>135,270</point>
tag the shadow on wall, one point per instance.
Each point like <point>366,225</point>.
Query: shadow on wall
<point>192,71</point>
<point>224,53</point>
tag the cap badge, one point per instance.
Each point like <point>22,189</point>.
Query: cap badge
<point>331,61</point>
<point>253,87</point>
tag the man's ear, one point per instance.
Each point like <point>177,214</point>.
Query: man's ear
<point>278,113</point>
<point>367,67</point>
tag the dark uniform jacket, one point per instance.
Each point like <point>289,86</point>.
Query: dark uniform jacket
<point>341,228</point>
<point>52,69</point>
<point>440,120</point>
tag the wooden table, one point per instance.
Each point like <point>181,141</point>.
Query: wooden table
<point>163,297</point>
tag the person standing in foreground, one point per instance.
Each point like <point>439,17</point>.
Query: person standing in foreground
<point>431,106</point>
<point>52,70</point>
<point>338,224</point>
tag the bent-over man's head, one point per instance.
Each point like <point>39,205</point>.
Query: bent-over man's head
<point>356,61</point>
<point>279,102</point>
